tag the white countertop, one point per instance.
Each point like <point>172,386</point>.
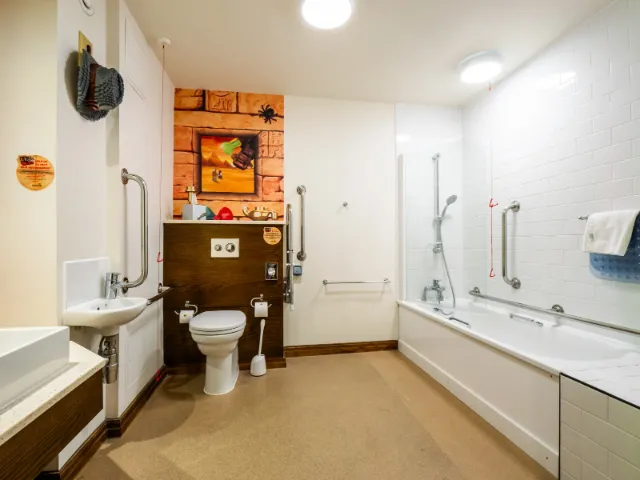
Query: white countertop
<point>82,364</point>
<point>622,382</point>
<point>229,222</point>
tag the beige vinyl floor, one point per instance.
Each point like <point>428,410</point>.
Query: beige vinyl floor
<point>363,416</point>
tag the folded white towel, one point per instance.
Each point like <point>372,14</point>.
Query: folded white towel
<point>609,232</point>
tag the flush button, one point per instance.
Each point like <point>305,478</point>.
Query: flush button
<point>225,247</point>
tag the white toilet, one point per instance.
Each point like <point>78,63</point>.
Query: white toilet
<point>217,334</point>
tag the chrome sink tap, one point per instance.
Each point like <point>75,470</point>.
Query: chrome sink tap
<point>111,285</point>
<point>434,287</point>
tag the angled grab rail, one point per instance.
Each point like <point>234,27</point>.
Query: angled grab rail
<point>513,282</point>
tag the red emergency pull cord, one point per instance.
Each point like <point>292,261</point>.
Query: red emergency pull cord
<point>491,205</point>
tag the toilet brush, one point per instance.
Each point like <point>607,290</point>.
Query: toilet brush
<point>259,363</point>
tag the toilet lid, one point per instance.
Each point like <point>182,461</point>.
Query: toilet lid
<point>218,321</point>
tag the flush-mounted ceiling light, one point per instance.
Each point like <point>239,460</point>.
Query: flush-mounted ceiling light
<point>326,14</point>
<point>481,67</point>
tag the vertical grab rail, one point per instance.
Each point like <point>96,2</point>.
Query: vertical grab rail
<point>144,229</point>
<point>513,282</point>
<point>288,281</point>
<point>302,254</point>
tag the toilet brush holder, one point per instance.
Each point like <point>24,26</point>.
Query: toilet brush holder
<point>259,363</point>
<point>258,366</point>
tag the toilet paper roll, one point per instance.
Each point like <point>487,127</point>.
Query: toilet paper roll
<point>186,316</point>
<point>261,309</point>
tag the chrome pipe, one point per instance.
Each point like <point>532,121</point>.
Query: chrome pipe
<point>302,254</point>
<point>513,282</point>
<point>556,311</point>
<point>327,282</point>
<point>144,229</point>
<point>436,187</point>
<point>288,279</point>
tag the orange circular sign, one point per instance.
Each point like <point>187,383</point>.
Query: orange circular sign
<point>34,172</point>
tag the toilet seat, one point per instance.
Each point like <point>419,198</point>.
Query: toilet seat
<point>218,322</point>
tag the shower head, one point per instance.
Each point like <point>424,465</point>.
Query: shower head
<point>451,200</point>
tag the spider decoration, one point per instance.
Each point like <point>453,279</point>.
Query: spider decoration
<point>268,114</point>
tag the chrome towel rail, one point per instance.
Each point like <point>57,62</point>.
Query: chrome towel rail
<point>556,310</point>
<point>302,254</point>
<point>144,229</point>
<point>514,282</point>
<point>327,282</point>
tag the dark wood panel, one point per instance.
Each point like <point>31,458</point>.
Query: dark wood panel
<point>197,368</point>
<point>219,284</point>
<point>117,426</point>
<point>27,453</point>
<point>80,458</point>
<point>335,348</point>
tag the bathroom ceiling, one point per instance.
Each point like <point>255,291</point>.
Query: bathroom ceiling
<point>391,50</point>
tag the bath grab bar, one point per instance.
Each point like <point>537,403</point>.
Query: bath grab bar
<point>515,316</point>
<point>144,229</point>
<point>327,282</point>
<point>288,280</point>
<point>513,282</point>
<point>302,254</point>
<point>454,319</point>
<point>556,310</point>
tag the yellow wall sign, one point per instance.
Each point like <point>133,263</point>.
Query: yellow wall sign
<point>272,235</point>
<point>34,172</point>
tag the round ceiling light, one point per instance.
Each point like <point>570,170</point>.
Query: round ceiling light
<point>481,67</point>
<point>326,14</point>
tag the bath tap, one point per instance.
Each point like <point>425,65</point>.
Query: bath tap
<point>434,287</point>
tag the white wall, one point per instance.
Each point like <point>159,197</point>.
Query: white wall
<point>97,215</point>
<point>562,136</point>
<point>28,117</point>
<point>137,133</point>
<point>342,151</point>
<point>423,131</point>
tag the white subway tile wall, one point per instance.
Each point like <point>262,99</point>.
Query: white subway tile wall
<point>606,446</point>
<point>422,132</point>
<point>562,136</point>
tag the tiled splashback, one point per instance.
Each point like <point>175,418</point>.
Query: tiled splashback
<point>562,136</point>
<point>83,280</point>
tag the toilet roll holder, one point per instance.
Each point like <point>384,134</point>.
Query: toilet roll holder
<point>260,299</point>
<point>188,305</point>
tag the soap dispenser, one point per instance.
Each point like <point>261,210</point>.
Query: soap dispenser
<point>193,211</point>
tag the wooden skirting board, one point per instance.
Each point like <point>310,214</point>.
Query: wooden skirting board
<point>197,368</point>
<point>335,348</point>
<point>79,459</point>
<point>117,426</point>
<point>111,428</point>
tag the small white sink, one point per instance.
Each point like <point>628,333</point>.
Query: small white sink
<point>104,314</point>
<point>30,357</point>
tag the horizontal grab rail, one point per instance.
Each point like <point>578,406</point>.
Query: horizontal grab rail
<point>327,282</point>
<point>556,310</point>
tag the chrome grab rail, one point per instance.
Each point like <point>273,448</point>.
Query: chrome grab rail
<point>556,311</point>
<point>144,229</point>
<point>515,316</point>
<point>288,279</point>
<point>514,282</point>
<point>327,282</point>
<point>302,254</point>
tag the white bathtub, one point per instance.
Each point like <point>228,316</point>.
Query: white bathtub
<point>507,370</point>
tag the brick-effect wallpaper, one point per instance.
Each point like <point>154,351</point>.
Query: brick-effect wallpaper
<point>204,113</point>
